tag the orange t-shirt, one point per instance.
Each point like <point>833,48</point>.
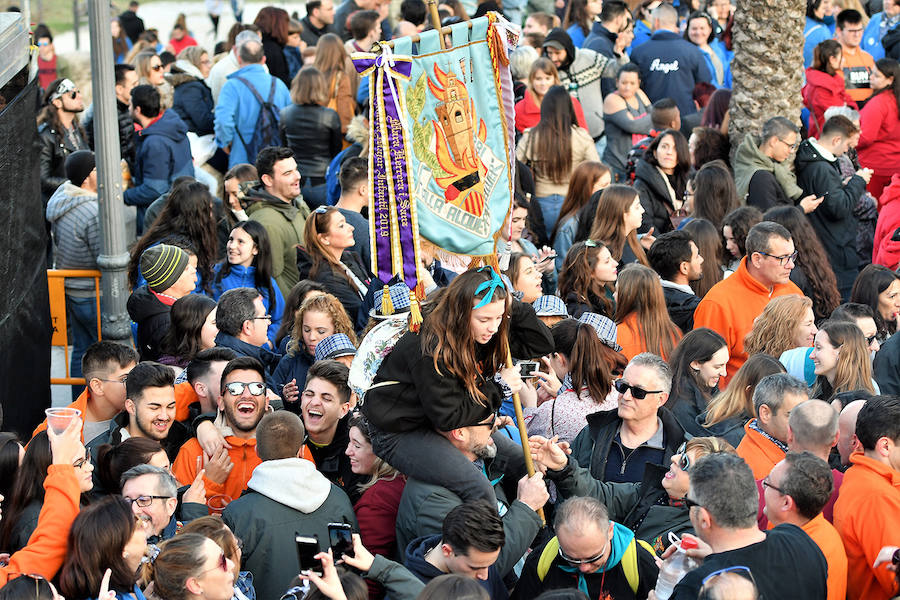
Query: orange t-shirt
<point>829,542</point>
<point>857,65</point>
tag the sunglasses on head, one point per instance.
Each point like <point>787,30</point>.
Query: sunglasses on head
<point>236,388</point>
<point>638,393</point>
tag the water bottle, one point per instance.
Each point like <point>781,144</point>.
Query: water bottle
<point>675,567</point>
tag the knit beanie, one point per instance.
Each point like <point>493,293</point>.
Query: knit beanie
<point>79,165</point>
<point>162,265</point>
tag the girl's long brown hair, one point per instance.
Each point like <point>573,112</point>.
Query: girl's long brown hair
<point>737,399</point>
<point>588,367</point>
<point>575,276</point>
<point>609,223</point>
<point>854,367</point>
<point>581,187</point>
<point>447,334</point>
<point>318,223</point>
<point>550,143</point>
<point>639,291</point>
<point>709,244</point>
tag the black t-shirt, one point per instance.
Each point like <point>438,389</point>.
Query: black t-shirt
<point>788,564</point>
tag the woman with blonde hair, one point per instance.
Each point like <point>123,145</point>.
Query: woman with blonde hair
<point>643,322</point>
<point>841,357</point>
<point>618,216</point>
<point>541,77</point>
<point>150,71</point>
<point>320,316</point>
<point>341,79</point>
<point>728,412</point>
<point>192,98</point>
<point>786,322</point>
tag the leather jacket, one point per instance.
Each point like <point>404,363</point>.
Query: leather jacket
<point>54,149</point>
<point>313,132</point>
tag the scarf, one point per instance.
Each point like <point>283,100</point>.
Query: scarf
<point>755,427</point>
<point>621,538</point>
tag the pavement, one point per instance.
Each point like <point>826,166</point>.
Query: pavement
<point>162,15</point>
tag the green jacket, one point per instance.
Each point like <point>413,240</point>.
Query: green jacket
<point>284,223</point>
<point>748,160</point>
<point>400,583</point>
<point>423,507</point>
<point>642,507</point>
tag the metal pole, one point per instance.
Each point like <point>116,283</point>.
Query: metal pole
<point>76,20</point>
<point>113,259</point>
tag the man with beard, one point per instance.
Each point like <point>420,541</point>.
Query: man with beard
<point>424,506</point>
<point>149,411</point>
<point>241,406</point>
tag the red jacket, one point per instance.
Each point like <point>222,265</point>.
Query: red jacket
<point>821,92</point>
<point>528,112</point>
<point>376,513</point>
<point>879,139</point>
<point>886,251</point>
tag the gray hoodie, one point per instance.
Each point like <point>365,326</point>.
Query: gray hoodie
<point>73,213</point>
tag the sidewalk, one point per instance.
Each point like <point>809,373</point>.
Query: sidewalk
<point>161,16</point>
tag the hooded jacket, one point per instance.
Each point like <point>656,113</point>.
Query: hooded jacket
<point>192,98</point>
<point>153,321</point>
<point>680,305</point>
<point>284,222</point>
<point>283,496</point>
<point>73,213</point>
<point>162,154</point>
<point>241,276</point>
<point>820,92</point>
<point>651,186</point>
<point>886,250</point>
<point>761,181</point>
<point>819,173</point>
<point>580,73</point>
<point>670,68</point>
<point>414,559</point>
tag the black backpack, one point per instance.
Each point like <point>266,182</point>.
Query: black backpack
<point>266,132</point>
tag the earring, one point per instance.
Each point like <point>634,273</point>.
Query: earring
<point>125,555</point>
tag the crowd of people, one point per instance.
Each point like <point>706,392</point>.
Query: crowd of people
<point>703,341</point>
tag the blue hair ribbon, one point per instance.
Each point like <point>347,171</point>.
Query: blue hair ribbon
<point>490,285</point>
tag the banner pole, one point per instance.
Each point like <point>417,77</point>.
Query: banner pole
<point>436,21</point>
<point>523,433</point>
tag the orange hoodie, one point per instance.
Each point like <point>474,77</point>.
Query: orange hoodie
<point>730,308</point>
<point>867,515</point>
<point>829,542</point>
<point>758,452</point>
<point>184,397</point>
<point>243,455</point>
<point>46,549</point>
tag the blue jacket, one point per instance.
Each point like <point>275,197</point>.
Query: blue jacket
<point>424,570</point>
<point>292,367</point>
<point>193,102</point>
<point>576,34</point>
<point>670,68</point>
<point>725,58</point>
<point>268,358</point>
<point>237,108</point>
<point>241,276</point>
<point>642,34</point>
<point>816,32</point>
<point>601,40</point>
<point>162,154</point>
<point>871,40</point>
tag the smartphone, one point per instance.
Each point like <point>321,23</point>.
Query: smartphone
<point>527,368</point>
<point>341,537</point>
<point>307,549</point>
<point>550,256</point>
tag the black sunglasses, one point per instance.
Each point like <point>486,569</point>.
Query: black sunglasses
<point>638,393</point>
<point>689,503</point>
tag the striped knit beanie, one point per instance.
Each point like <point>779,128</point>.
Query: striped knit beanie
<point>162,265</point>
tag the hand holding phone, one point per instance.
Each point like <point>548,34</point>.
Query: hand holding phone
<point>341,538</point>
<point>527,368</point>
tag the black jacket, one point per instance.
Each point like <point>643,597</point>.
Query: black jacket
<point>654,194</point>
<point>193,102</point>
<point>765,192</point>
<point>179,433</point>
<point>833,220</point>
<point>311,33</point>
<point>126,131</point>
<point>268,358</point>
<point>413,394</point>
<point>592,446</point>
<point>275,60</point>
<point>601,40</point>
<point>681,306</point>
<point>153,321</point>
<point>313,132</point>
<point>337,284</point>
<point>891,43</point>
<point>55,147</point>
<point>687,403</point>
<point>887,373</point>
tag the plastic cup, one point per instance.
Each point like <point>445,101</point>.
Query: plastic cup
<point>216,504</point>
<point>58,419</point>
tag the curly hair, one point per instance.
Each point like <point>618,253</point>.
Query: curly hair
<point>811,258</point>
<point>323,303</point>
<point>775,328</point>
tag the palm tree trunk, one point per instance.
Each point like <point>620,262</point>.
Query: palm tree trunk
<point>767,69</point>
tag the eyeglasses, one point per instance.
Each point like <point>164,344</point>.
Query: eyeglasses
<point>690,503</point>
<point>871,339</point>
<point>236,388</point>
<point>684,462</point>
<point>489,424</point>
<point>80,462</point>
<point>122,381</point>
<point>638,393</point>
<point>740,569</point>
<point>145,501</point>
<point>768,484</point>
<point>791,146</point>
<point>158,67</point>
<point>222,563</point>
<point>782,260</point>
<point>581,561</point>
<point>263,317</point>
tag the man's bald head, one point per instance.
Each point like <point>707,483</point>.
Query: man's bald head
<point>847,442</point>
<point>813,427</point>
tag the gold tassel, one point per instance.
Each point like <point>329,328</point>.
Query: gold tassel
<point>387,307</point>
<point>415,314</point>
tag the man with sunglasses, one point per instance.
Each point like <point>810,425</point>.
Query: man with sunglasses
<point>732,305</point>
<point>240,408</point>
<point>590,553</point>
<point>616,445</point>
<point>784,561</point>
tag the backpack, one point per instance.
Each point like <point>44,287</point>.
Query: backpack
<point>265,133</point>
<point>629,561</point>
